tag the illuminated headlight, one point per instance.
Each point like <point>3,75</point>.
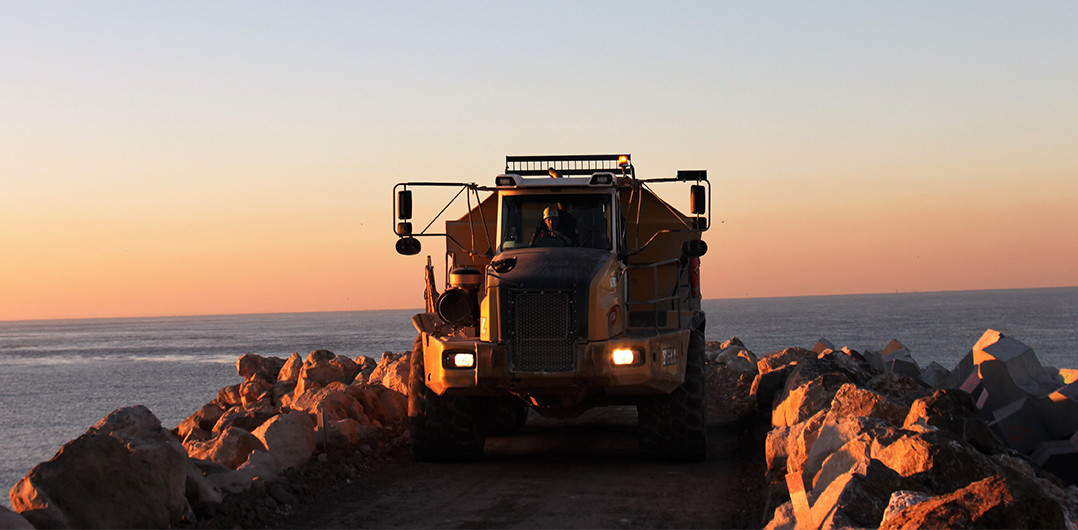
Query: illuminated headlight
<point>458,360</point>
<point>626,357</point>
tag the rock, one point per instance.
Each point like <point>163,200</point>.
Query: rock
<point>291,368</point>
<point>897,358</point>
<point>247,417</point>
<point>766,386</point>
<point>900,500</point>
<point>125,471</point>
<point>856,499</point>
<point>333,403</point>
<point>387,407</point>
<point>994,502</point>
<point>392,372</point>
<point>366,368</point>
<point>200,491</point>
<point>729,382</point>
<point>850,401</point>
<point>260,465</point>
<point>256,390</point>
<point>224,479</point>
<point>1069,375</point>
<point>228,397</point>
<point>322,368</point>
<point>934,462</point>
<point>230,448</point>
<point>13,521</point>
<point>783,518</point>
<point>836,434</point>
<point>802,402</point>
<point>288,437</point>
<point>204,418</point>
<point>776,360</point>
<point>902,390</point>
<point>850,363</point>
<point>955,413</point>
<point>250,366</point>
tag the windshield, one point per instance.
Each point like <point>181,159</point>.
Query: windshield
<point>556,220</point>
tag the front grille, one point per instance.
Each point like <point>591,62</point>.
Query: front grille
<point>543,336</point>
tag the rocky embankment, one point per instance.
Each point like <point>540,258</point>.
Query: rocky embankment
<point>253,453</point>
<point>872,440</point>
<point>857,439</point>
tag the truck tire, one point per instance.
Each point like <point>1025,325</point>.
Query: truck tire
<point>674,426</point>
<point>443,428</point>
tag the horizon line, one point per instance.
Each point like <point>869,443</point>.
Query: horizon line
<point>270,313</point>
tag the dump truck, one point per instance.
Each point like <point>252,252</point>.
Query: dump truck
<point>569,284</point>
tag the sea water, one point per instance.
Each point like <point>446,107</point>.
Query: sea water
<point>58,377</point>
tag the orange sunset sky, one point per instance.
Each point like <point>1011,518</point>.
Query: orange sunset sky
<point>224,157</point>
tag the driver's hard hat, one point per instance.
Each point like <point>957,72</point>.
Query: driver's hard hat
<point>550,212</point>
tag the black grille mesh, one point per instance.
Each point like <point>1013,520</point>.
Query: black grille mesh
<point>544,337</point>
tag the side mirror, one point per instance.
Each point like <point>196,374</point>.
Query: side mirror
<point>408,246</point>
<point>697,199</point>
<point>404,204</point>
<point>694,248</point>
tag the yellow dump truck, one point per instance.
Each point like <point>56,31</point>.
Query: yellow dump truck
<point>569,285</point>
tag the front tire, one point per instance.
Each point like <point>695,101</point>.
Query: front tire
<point>443,428</point>
<point>674,426</point>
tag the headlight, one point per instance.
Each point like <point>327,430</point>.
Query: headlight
<point>627,356</point>
<point>458,360</point>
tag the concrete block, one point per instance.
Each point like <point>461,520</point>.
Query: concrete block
<point>960,372</point>
<point>1002,390</point>
<point>874,359</point>
<point>1069,375</point>
<point>892,347</point>
<point>934,375</point>
<point>1020,426</point>
<point>903,365</point>
<point>1059,457</point>
<point>823,346</point>
<point>1059,411</point>
<point>1021,362</point>
<point>975,388</point>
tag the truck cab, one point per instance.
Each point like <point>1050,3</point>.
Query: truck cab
<point>570,285</point>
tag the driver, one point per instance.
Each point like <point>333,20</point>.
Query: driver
<point>551,228</point>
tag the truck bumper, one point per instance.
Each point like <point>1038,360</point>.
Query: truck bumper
<point>658,367</point>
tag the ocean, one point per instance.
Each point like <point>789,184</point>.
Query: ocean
<point>58,377</point>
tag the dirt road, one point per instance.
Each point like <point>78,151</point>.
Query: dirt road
<point>581,473</point>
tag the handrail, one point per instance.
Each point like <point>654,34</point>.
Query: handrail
<point>629,302</point>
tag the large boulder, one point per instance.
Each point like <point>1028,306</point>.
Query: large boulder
<point>803,401</point>
<point>857,498</point>
<point>126,471</point>
<point>392,372</point>
<point>994,502</point>
<point>251,366</point>
<point>247,417</point>
<point>383,406</point>
<point>204,418</point>
<point>323,367</point>
<point>953,412</point>
<point>13,521</point>
<point>331,403</point>
<point>850,401</point>
<point>291,368</point>
<point>289,438</point>
<point>776,360</point>
<point>230,448</point>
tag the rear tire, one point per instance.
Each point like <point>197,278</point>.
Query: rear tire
<point>674,426</point>
<point>443,428</point>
